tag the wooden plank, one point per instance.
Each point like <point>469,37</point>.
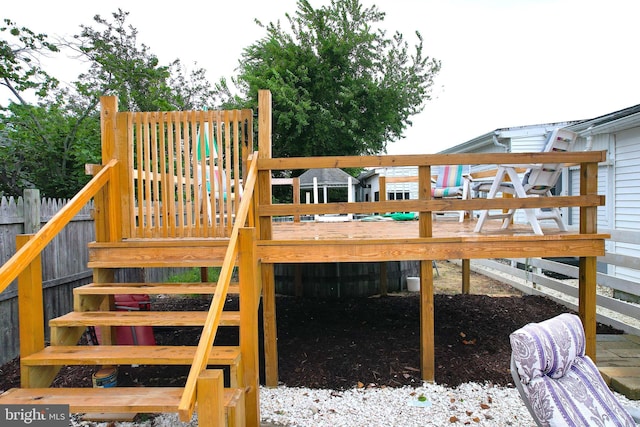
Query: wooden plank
<point>151,288</point>
<point>187,256</point>
<point>104,400</point>
<point>141,318</point>
<point>430,205</point>
<point>422,249</point>
<point>128,354</point>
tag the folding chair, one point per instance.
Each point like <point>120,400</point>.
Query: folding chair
<point>452,182</point>
<point>538,181</point>
<point>559,384</point>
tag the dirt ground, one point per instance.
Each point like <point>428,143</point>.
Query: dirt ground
<point>359,342</point>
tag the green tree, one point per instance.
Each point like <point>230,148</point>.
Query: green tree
<point>46,144</point>
<point>119,65</point>
<point>20,68</point>
<point>340,86</point>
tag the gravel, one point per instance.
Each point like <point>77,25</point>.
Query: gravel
<point>430,405</point>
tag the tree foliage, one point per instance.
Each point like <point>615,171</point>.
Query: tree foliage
<point>340,86</point>
<point>20,68</point>
<point>45,144</point>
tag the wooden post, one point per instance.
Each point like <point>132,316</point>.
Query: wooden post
<point>296,197</point>
<point>466,276</point>
<point>31,321</point>
<point>210,395</point>
<point>427,342</point>
<point>588,265</point>
<point>114,199</point>
<point>265,231</point>
<point>248,266</point>
<point>30,303</point>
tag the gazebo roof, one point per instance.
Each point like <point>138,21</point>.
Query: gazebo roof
<point>328,177</point>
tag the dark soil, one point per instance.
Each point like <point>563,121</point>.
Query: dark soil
<point>343,343</point>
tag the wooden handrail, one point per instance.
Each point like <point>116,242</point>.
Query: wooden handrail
<point>429,205</point>
<point>572,157</point>
<point>23,257</point>
<point>188,400</point>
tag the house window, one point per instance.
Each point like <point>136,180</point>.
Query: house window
<point>398,196</point>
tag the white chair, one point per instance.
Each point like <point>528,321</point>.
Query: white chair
<point>538,181</point>
<point>559,384</point>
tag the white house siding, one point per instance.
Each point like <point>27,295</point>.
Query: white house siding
<point>528,144</point>
<point>627,176</point>
<point>626,195</point>
<point>573,217</point>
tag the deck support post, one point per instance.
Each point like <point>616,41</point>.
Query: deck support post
<point>427,342</point>
<point>466,276</point>
<point>248,270</point>
<point>588,265</point>
<point>427,330</point>
<point>270,326</point>
<point>264,192</point>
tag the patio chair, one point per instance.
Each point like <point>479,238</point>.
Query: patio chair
<point>559,384</point>
<point>538,181</point>
<point>452,182</point>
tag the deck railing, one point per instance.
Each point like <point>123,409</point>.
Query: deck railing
<point>425,205</point>
<point>184,169</point>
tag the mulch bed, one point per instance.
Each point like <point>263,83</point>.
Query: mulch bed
<point>345,343</point>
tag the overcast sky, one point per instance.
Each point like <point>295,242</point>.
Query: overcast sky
<point>504,62</point>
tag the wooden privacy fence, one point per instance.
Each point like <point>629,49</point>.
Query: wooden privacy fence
<point>64,260</point>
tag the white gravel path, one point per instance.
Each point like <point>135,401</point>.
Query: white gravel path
<point>469,404</point>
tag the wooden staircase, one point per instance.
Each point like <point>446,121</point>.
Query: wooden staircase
<point>151,210</point>
<point>92,305</point>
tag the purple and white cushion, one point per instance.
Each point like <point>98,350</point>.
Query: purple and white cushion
<point>560,384</point>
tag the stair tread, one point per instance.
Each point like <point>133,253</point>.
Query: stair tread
<point>141,318</point>
<point>126,354</point>
<point>106,400</point>
<point>151,288</point>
